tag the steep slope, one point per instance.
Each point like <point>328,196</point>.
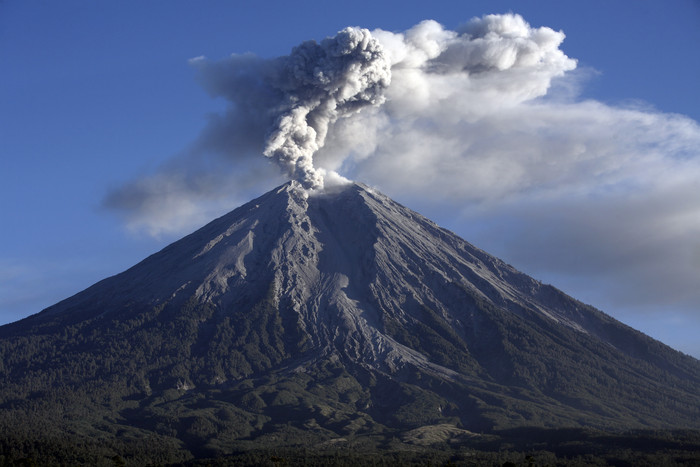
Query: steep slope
<point>341,314</point>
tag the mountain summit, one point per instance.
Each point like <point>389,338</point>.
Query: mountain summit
<point>324,317</point>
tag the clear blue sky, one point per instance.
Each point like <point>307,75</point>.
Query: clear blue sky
<point>94,95</point>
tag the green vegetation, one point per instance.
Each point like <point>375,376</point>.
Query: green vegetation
<point>523,447</point>
<point>189,382</point>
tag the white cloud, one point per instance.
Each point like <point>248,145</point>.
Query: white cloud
<point>535,149</point>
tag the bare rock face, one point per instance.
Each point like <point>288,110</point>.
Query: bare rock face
<point>329,316</point>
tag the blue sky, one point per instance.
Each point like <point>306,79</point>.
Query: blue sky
<point>97,98</point>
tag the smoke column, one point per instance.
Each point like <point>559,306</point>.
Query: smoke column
<point>321,83</point>
<point>290,102</point>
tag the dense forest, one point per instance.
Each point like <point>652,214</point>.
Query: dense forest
<point>521,447</point>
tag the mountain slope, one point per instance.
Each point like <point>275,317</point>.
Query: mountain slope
<point>321,317</point>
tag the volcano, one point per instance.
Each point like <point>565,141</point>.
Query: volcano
<point>305,318</point>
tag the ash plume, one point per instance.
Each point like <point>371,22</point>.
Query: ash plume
<point>297,97</point>
<point>303,111</point>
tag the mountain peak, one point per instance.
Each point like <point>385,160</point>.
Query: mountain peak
<point>341,308</point>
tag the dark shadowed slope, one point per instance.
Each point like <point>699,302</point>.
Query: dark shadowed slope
<point>299,318</point>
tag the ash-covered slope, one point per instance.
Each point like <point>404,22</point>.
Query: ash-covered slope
<point>329,315</point>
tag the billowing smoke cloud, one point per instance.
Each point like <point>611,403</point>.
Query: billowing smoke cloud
<point>482,122</point>
<point>288,108</point>
<point>444,84</point>
<point>322,82</point>
<point>296,98</point>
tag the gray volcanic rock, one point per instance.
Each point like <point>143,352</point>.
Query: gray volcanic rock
<point>305,315</point>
